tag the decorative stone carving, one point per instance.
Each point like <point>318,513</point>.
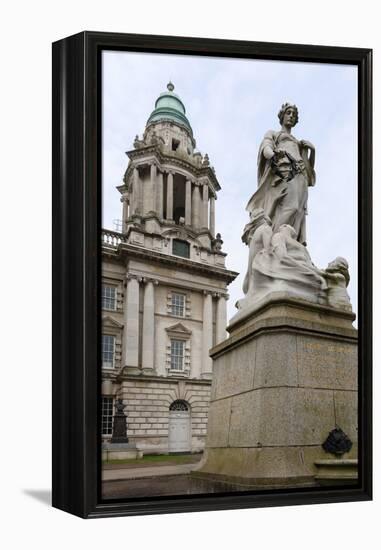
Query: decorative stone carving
<point>279,263</point>
<point>138,143</point>
<point>205,161</point>
<point>337,276</point>
<point>337,442</point>
<point>217,242</point>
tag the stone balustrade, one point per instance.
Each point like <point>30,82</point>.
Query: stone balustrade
<point>112,238</point>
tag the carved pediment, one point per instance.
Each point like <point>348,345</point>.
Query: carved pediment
<point>110,322</point>
<point>180,233</point>
<point>179,329</point>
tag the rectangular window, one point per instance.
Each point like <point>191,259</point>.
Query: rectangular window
<point>108,351</point>
<point>178,304</point>
<point>108,297</point>
<point>180,248</point>
<point>177,354</point>
<point>107,413</point>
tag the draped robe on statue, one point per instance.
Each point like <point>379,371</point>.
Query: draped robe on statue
<point>283,185</point>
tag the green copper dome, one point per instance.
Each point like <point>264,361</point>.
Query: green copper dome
<point>169,106</point>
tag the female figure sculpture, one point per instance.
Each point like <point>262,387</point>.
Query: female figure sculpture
<point>285,171</point>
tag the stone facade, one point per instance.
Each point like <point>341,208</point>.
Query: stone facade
<point>164,288</point>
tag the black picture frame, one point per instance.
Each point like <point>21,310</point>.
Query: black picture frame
<point>76,271</point>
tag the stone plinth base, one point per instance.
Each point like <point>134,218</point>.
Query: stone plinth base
<point>120,451</point>
<point>336,471</point>
<point>284,379</point>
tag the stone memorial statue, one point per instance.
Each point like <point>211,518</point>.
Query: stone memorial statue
<point>276,234</point>
<point>283,408</point>
<point>285,171</point>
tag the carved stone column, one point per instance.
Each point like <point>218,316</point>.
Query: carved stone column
<point>212,214</point>
<point>205,199</point>
<point>196,200</point>
<point>159,195</point>
<point>124,200</point>
<point>188,202</point>
<point>148,348</point>
<point>170,196</point>
<point>134,192</point>
<point>151,195</point>
<point>137,192</point>
<point>221,319</point>
<point>131,323</point>
<point>207,335</point>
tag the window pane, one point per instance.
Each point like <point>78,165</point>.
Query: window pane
<point>178,304</point>
<point>108,297</point>
<point>177,354</point>
<point>108,350</point>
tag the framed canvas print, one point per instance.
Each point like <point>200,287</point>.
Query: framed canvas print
<point>212,274</point>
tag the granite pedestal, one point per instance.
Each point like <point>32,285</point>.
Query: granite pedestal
<point>120,451</point>
<point>285,378</point>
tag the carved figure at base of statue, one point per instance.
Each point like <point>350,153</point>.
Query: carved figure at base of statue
<point>337,277</point>
<point>278,262</point>
<point>257,235</point>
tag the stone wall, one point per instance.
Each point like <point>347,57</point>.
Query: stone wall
<point>148,405</point>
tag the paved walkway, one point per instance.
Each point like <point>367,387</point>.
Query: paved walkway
<point>151,471</point>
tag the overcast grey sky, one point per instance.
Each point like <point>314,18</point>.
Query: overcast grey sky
<point>230,104</point>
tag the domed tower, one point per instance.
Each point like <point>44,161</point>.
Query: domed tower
<point>169,188</point>
<point>167,274</point>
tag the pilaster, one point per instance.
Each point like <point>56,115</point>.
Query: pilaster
<point>212,221</point>
<point>131,324</point>
<point>207,335</point>
<point>148,348</point>
<point>205,199</point>
<point>188,202</point>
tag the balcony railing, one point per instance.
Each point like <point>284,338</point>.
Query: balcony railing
<point>112,238</point>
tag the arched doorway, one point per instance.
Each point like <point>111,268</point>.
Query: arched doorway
<point>179,429</point>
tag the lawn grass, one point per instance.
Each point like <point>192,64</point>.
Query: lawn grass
<point>152,459</point>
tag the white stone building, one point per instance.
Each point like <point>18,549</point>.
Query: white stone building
<point>164,288</point>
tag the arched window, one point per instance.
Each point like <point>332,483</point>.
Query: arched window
<point>179,405</point>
